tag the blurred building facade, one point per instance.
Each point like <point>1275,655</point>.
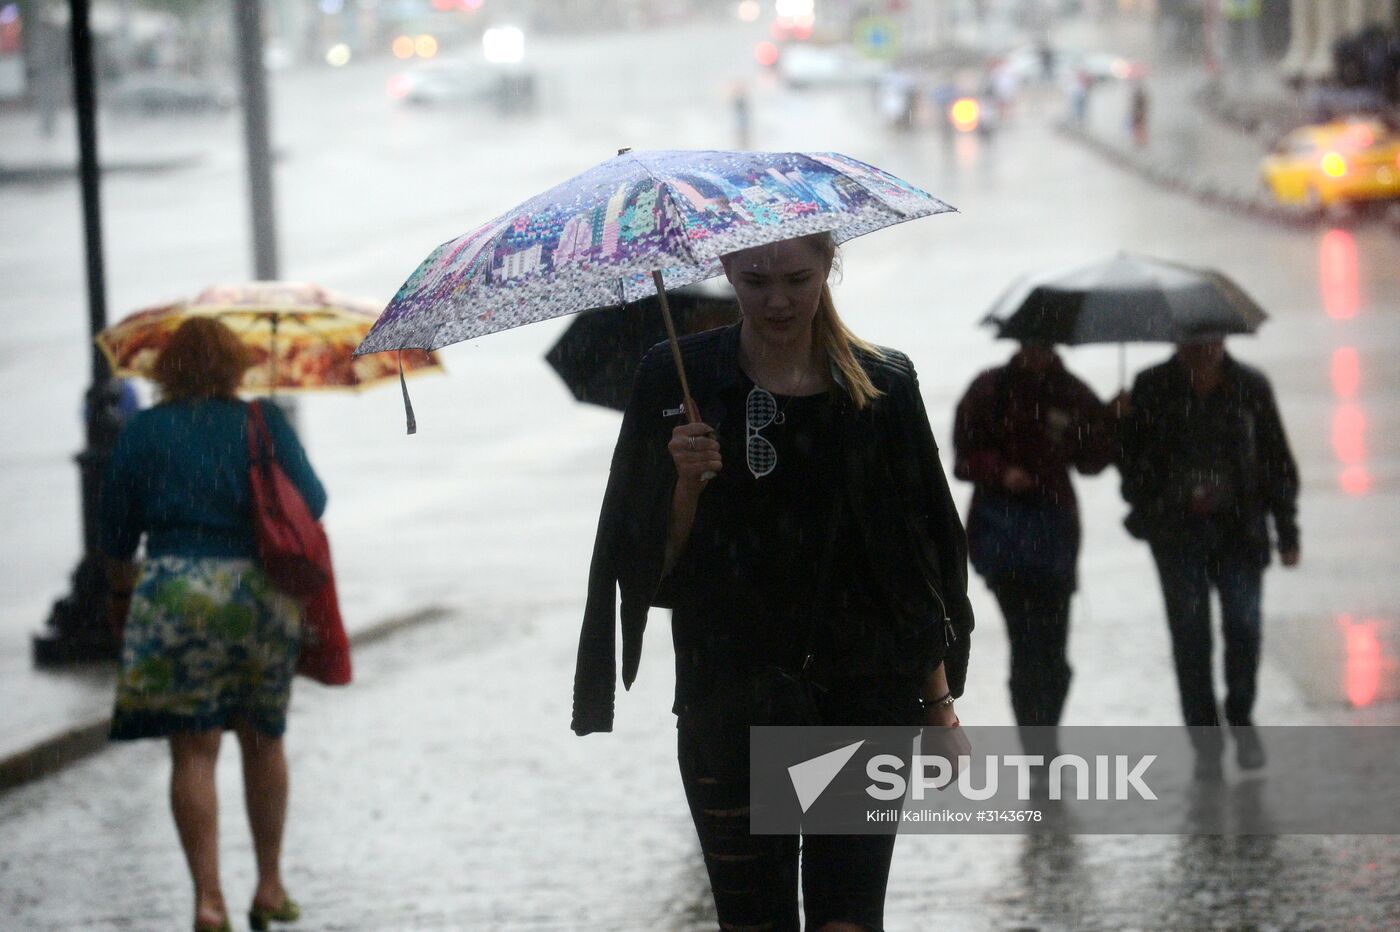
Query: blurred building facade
<point>1342,54</point>
<point>1316,27</point>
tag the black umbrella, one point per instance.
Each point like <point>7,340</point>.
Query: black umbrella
<point>598,355</point>
<point>1125,299</point>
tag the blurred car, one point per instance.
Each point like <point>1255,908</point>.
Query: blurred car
<point>1027,65</point>
<point>445,82</point>
<point>157,92</point>
<point>442,81</point>
<point>1351,159</point>
<point>803,66</point>
<point>953,100</point>
<point>971,113</point>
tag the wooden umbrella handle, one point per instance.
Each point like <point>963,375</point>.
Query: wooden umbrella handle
<point>692,412</point>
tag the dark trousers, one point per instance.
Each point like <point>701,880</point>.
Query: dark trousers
<point>1188,572</point>
<point>754,878</point>
<point>1037,623</point>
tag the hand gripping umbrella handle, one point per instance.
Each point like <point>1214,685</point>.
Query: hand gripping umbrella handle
<point>692,413</point>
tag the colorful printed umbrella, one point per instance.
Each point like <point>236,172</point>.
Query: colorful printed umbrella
<point>628,229</point>
<point>595,240</point>
<point>301,336</point>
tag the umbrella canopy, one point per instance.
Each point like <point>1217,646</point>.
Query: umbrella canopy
<point>599,353</point>
<point>600,238</point>
<point>1125,299</point>
<point>301,336</point>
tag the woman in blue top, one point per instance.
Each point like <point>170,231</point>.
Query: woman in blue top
<point>209,644</point>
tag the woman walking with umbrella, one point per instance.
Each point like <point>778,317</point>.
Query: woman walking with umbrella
<point>208,644</point>
<point>1019,430</point>
<point>803,532</point>
<point>785,498</point>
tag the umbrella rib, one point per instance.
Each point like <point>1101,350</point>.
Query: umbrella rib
<point>670,200</point>
<point>432,340</point>
<point>902,215</point>
<point>875,195</point>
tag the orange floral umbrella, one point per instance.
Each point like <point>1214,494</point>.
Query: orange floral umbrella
<point>301,337</point>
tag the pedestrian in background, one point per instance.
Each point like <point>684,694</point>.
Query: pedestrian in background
<point>1205,464</point>
<point>125,402</point>
<point>1078,87</point>
<point>1018,432</point>
<point>741,106</point>
<point>1138,108</point>
<point>806,540</point>
<point>208,643</point>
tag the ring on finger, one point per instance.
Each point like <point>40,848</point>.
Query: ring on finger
<point>690,442</point>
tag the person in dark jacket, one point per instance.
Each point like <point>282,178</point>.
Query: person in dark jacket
<point>1205,465</point>
<point>1019,430</point>
<point>208,643</point>
<point>804,536</point>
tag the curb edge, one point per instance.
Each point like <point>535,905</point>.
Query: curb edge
<point>54,753</point>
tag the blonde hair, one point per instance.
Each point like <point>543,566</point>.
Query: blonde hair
<point>833,338</point>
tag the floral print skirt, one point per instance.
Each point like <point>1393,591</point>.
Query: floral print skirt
<point>208,642</point>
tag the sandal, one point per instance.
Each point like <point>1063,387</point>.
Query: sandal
<point>259,916</point>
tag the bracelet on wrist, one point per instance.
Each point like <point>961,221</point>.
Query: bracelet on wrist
<point>941,702</point>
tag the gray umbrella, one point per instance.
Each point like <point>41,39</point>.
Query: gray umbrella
<point>1125,299</point>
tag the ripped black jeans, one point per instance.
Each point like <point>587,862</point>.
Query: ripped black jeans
<point>754,878</point>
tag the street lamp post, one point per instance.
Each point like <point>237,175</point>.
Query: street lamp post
<point>77,626</point>
<point>253,78</point>
<point>248,28</point>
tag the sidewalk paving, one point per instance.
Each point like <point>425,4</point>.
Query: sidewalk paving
<point>1187,148</point>
<point>29,155</point>
<point>62,715</point>
<point>1206,136</point>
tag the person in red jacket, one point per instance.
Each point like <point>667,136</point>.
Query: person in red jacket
<point>1019,430</point>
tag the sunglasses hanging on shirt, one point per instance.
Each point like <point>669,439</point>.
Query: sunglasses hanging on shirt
<point>760,411</point>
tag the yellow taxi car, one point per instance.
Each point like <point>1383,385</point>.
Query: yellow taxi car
<point>1350,159</point>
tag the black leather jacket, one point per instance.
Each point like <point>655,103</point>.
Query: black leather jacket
<point>1156,437</point>
<point>897,493</point>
